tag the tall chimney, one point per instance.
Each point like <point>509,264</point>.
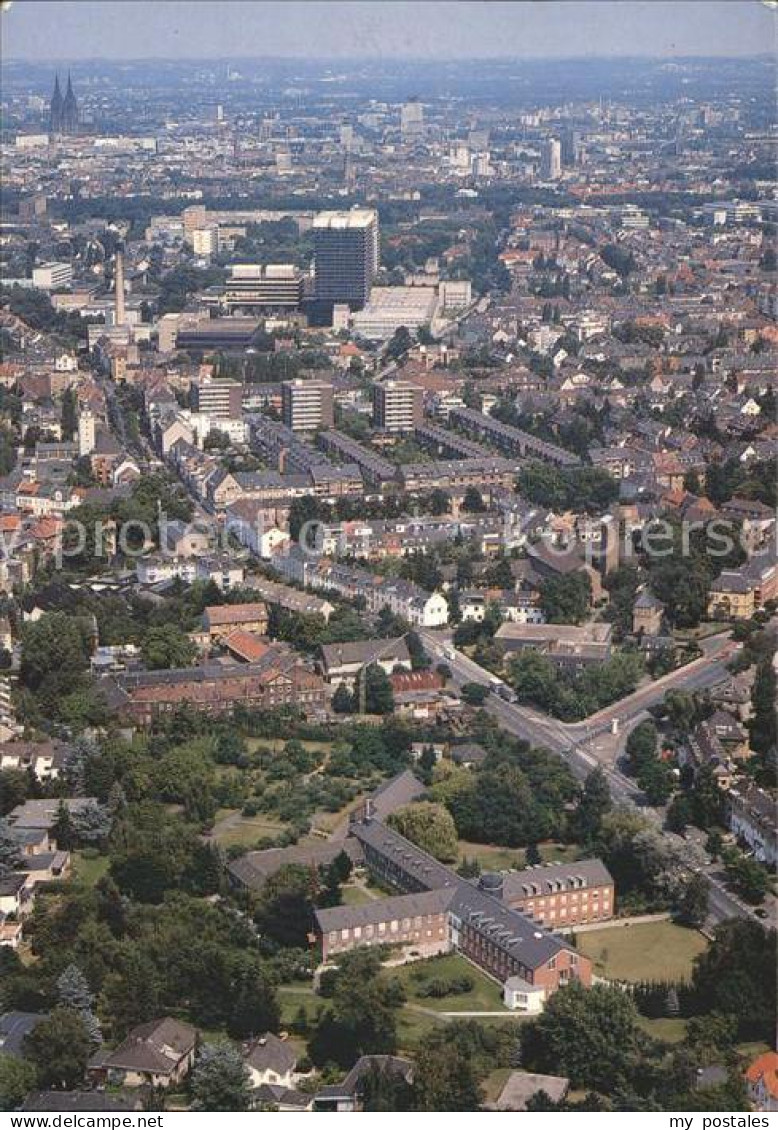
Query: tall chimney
<point>119,288</point>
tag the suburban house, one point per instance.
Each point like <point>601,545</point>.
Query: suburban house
<point>157,1054</point>
<point>41,815</point>
<point>762,1082</point>
<point>222,620</point>
<point>348,1095</point>
<point>44,759</point>
<point>14,1029</point>
<point>340,663</point>
<point>520,1086</point>
<point>270,1061</point>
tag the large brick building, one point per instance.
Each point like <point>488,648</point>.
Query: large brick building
<point>438,911</point>
<point>417,921</point>
<point>276,680</point>
<point>560,895</point>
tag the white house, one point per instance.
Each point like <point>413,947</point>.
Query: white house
<point>270,1061</point>
<point>519,995</point>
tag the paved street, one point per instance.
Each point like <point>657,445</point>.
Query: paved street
<point>577,742</point>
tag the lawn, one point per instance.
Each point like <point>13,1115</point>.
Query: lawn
<point>88,866</point>
<point>654,951</point>
<point>328,821</point>
<point>244,830</point>
<point>291,998</point>
<point>277,744</point>
<point>485,996</point>
<point>493,858</point>
<point>671,1029</point>
<point>357,895</point>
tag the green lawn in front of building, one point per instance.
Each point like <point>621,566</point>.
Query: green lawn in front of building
<point>653,951</point>
<point>485,996</point>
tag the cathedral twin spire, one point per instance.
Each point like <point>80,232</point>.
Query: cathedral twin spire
<point>64,111</point>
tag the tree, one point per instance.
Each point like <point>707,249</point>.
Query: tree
<point>17,1078</point>
<point>474,694</point>
<point>59,1047</point>
<point>55,655</point>
<point>254,1008</point>
<point>378,693</point>
<point>532,856</point>
<point>10,851</point>
<point>73,992</point>
<point>69,419</point>
<point>439,502</point>
<point>167,646</point>
<point>641,746</point>
<point>399,343</point>
<point>657,782</point>
<point>595,802</point>
<point>220,1079</point>
<point>565,599</point>
<point>713,844</point>
<point>473,503</point>
<point>131,992</point>
<point>693,905</point>
<point>445,1081</point>
<point>706,799</point>
<point>679,814</point>
<point>590,1035</point>
<point>429,826</point>
<point>342,700</point>
<point>286,905</point>
<point>763,723</point>
<point>361,1019</point>
<point>735,976</point>
<point>748,878</point>
<point>63,831</point>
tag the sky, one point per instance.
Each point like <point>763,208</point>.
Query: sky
<point>198,29</point>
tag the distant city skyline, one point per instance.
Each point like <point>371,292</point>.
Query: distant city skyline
<point>72,30</point>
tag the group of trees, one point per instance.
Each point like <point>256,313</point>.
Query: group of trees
<point>654,776</point>
<point>371,688</point>
<point>430,826</point>
<point>681,566</point>
<point>566,597</point>
<point>571,695</point>
<point>580,489</point>
<point>517,797</point>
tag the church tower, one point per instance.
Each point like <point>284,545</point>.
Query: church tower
<point>69,111</point>
<point>55,119</point>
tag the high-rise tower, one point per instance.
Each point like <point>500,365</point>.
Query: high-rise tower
<point>346,255</point>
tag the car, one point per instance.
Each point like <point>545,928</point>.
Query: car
<point>760,912</point>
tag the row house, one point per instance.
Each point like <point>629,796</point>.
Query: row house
<point>751,818</point>
<point>403,598</point>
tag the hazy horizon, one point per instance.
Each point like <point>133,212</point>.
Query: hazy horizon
<point>337,30</point>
